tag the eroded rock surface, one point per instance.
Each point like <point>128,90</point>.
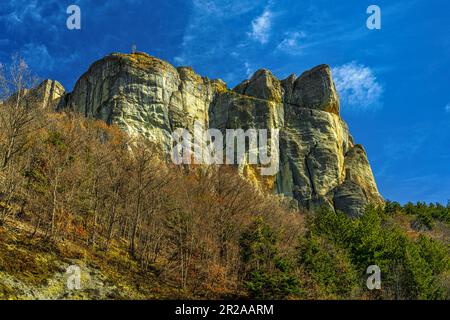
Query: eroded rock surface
<point>319,162</point>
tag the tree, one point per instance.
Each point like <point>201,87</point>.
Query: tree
<point>266,274</point>
<point>18,112</point>
<point>18,109</point>
<point>330,267</point>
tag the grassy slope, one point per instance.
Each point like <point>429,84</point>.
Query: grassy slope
<point>36,269</point>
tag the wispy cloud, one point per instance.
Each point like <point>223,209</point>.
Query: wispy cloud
<point>20,13</point>
<point>206,21</point>
<point>447,108</point>
<point>24,11</point>
<point>215,39</point>
<point>41,59</point>
<point>38,56</point>
<point>291,43</point>
<point>248,70</point>
<point>261,27</point>
<point>358,87</point>
<point>179,60</point>
<point>222,8</point>
<point>428,188</point>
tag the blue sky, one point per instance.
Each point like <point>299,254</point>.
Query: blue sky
<point>394,82</point>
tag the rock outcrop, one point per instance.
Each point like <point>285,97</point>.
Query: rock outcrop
<point>50,93</point>
<point>47,95</point>
<point>143,95</point>
<point>319,162</point>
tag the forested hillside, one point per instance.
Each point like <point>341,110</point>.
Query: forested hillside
<point>78,191</point>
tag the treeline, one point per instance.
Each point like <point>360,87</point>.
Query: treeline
<point>427,215</point>
<point>204,230</point>
<point>412,267</point>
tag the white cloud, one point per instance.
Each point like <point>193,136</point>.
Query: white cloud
<point>358,87</point>
<point>447,108</point>
<point>248,70</point>
<point>37,56</point>
<point>261,27</point>
<point>23,11</point>
<point>208,17</point>
<point>30,12</point>
<point>291,43</point>
<point>179,60</point>
<point>40,58</point>
<point>223,8</point>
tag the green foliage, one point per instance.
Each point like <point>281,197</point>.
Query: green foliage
<point>57,140</point>
<point>391,208</point>
<point>409,268</point>
<point>435,253</point>
<point>258,244</point>
<point>328,265</point>
<point>419,280</point>
<point>428,214</point>
<point>267,275</point>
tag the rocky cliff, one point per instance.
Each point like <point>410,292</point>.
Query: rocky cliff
<point>319,162</point>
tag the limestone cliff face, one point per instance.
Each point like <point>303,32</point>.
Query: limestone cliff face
<point>319,162</point>
<point>50,93</point>
<point>47,95</point>
<point>143,95</point>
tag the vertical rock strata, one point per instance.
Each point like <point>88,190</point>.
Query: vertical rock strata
<point>319,162</point>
